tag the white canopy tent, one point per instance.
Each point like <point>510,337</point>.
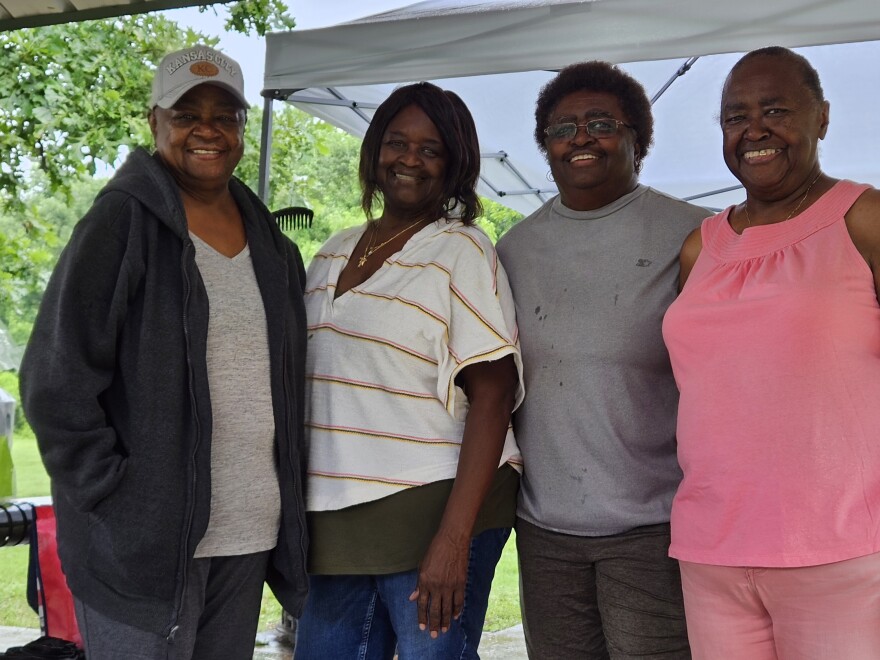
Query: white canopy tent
<point>497,54</point>
<point>16,14</point>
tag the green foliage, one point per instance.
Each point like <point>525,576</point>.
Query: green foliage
<point>32,235</point>
<point>27,255</point>
<point>497,218</point>
<point>72,95</point>
<point>313,164</point>
<point>260,16</point>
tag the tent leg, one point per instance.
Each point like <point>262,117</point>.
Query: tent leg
<point>265,150</point>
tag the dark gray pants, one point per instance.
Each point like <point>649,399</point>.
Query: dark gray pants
<point>219,617</point>
<point>595,598</point>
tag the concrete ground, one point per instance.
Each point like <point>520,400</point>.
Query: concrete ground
<point>502,645</point>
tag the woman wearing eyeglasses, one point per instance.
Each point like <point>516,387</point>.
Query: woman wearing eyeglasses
<point>592,273</point>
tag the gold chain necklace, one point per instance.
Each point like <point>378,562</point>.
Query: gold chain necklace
<point>371,249</point>
<point>790,215</point>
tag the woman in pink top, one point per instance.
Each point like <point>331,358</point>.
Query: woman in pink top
<point>775,346</point>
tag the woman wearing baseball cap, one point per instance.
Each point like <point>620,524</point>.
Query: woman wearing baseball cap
<point>173,435</point>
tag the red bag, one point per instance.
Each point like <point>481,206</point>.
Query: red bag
<point>54,600</point>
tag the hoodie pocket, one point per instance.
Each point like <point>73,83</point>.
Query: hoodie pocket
<point>134,543</point>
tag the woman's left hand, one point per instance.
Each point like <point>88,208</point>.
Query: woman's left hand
<point>442,581</point>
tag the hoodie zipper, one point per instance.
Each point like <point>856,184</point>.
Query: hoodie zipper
<point>178,605</point>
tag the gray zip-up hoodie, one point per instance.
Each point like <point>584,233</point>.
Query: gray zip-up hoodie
<point>114,383</point>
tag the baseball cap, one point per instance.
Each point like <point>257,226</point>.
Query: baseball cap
<point>184,69</point>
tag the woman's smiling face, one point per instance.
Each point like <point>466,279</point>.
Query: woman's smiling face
<point>591,172</point>
<point>201,138</point>
<point>412,164</point>
<point>771,123</point>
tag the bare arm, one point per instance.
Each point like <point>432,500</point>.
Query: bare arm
<point>690,250</point>
<point>491,391</point>
<point>863,223</point>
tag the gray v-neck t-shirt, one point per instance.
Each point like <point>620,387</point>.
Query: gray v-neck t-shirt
<point>245,501</point>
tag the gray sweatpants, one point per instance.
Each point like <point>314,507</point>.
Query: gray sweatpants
<point>218,619</point>
<point>595,598</point>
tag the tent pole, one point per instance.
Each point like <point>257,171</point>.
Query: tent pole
<point>683,69</point>
<point>265,150</point>
<point>718,191</point>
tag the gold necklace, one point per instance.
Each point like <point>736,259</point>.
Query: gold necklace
<point>371,249</point>
<point>790,215</point>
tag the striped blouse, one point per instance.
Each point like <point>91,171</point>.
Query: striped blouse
<point>383,412</point>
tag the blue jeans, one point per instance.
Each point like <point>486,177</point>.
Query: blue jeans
<point>367,617</point>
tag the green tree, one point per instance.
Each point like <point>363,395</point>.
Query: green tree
<point>28,257</point>
<point>72,95</point>
<point>497,218</point>
<point>313,164</point>
<point>32,236</point>
<point>260,16</point>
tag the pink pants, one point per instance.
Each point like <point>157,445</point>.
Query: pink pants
<point>828,612</point>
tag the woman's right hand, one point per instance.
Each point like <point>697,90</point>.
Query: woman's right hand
<point>442,580</point>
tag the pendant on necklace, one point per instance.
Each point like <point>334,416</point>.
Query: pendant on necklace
<point>362,261</point>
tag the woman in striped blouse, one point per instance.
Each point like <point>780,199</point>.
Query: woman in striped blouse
<point>413,372</point>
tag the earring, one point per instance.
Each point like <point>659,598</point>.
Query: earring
<point>550,176</point>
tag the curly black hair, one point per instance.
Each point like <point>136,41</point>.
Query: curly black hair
<point>458,197</point>
<point>809,75</point>
<point>597,76</point>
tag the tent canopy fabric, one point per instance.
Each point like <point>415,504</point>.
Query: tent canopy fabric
<point>497,54</point>
<point>452,38</point>
<point>16,14</point>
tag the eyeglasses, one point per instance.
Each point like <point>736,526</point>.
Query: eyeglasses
<point>598,128</point>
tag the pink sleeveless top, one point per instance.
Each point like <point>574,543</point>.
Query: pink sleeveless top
<point>775,346</point>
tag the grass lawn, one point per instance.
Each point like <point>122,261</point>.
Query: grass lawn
<point>504,599</point>
<point>32,481</point>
